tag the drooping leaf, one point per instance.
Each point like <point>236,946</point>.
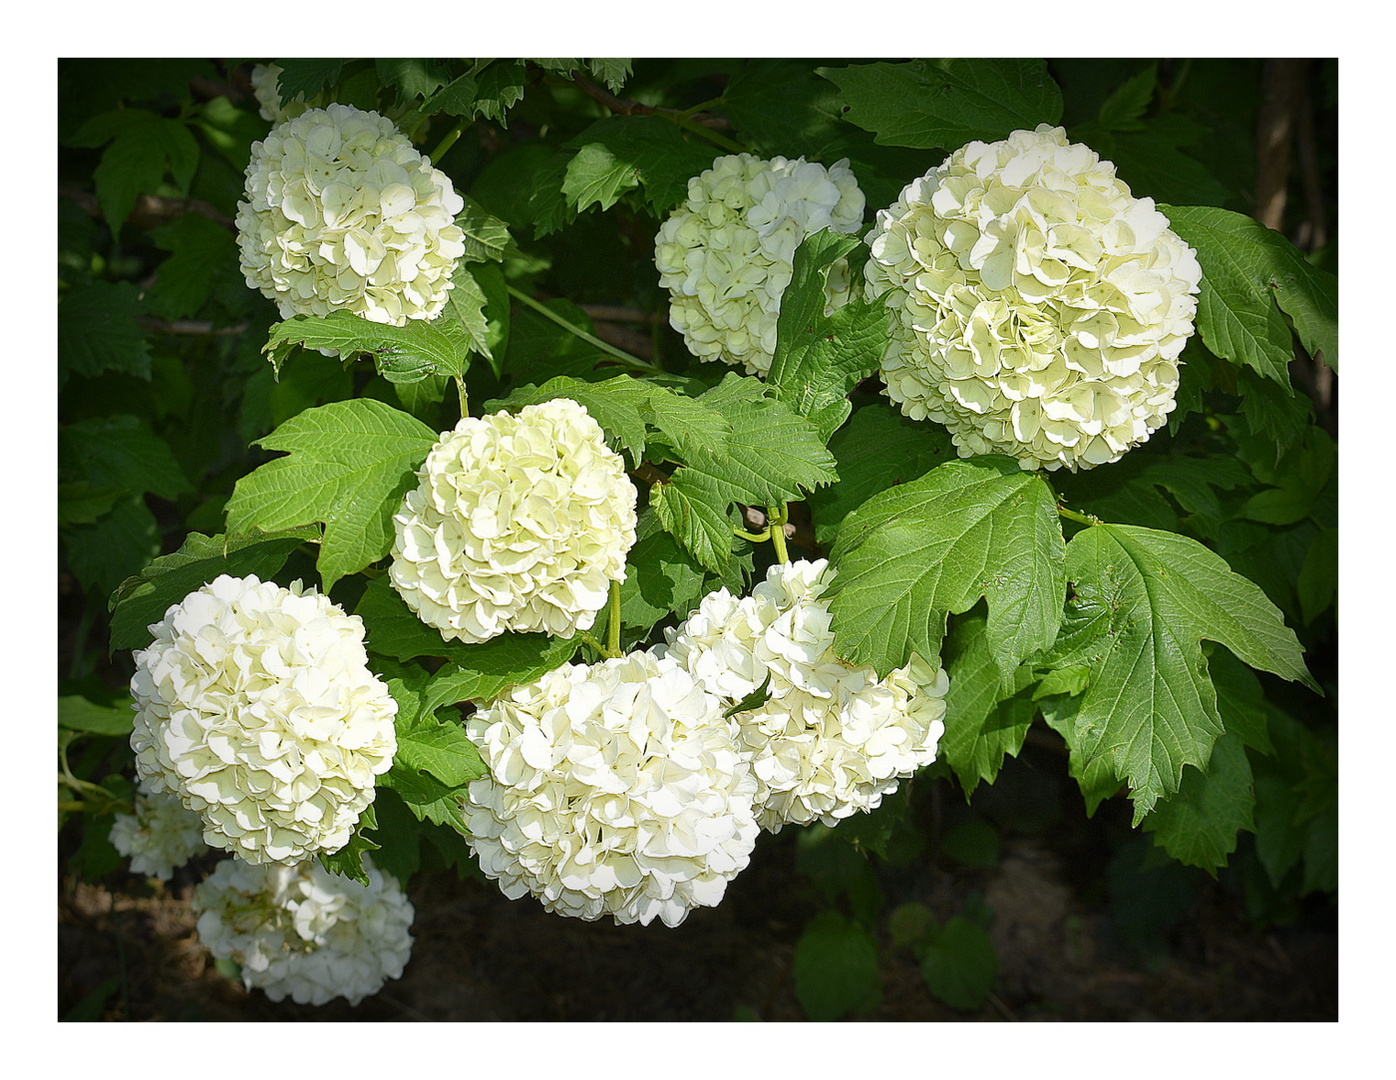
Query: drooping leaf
<point>347,465</point>
<point>142,599</point>
<point>946,103</point>
<point>440,748</point>
<point>117,544</point>
<point>412,77</point>
<point>1143,601</point>
<point>1249,275</point>
<point>984,721</point>
<point>596,176</point>
<point>966,529</point>
<point>820,358</point>
<point>1199,825</point>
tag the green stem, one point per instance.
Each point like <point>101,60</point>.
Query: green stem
<point>613,623</point>
<point>632,362</point>
<point>447,141</point>
<point>778,517</point>
<point>460,393</point>
<point>755,538</point>
<point>1084,519</point>
<point>706,133</point>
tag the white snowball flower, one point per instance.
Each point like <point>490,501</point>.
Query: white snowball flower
<point>161,836</point>
<point>256,708</point>
<point>831,739</point>
<point>1041,308</point>
<point>264,79</point>
<point>300,931</point>
<point>614,789</point>
<point>342,214</point>
<point>519,522</point>
<point>725,255</point>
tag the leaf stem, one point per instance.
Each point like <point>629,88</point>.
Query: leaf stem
<point>1083,519</point>
<point>755,538</point>
<point>632,362</point>
<point>778,517</point>
<point>613,622</point>
<point>706,133</point>
<point>447,141</point>
<point>460,393</point>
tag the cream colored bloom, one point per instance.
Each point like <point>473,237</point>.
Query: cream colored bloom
<point>725,255</point>
<point>159,837</point>
<point>614,789</point>
<point>831,739</point>
<point>519,522</point>
<point>1041,308</point>
<point>256,708</point>
<point>300,931</point>
<point>342,214</point>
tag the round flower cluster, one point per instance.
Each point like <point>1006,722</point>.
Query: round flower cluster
<point>342,214</point>
<point>264,80</point>
<point>301,931</point>
<point>1041,308</point>
<point>614,789</point>
<point>725,255</point>
<point>831,739</point>
<point>518,523</point>
<point>256,708</point>
<point>159,837</point>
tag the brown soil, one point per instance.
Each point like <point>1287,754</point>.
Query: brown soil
<point>478,956</point>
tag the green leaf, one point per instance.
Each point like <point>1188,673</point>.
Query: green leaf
<point>498,88</point>
<point>1198,826</point>
<point>959,964</point>
<point>348,860</point>
<point>441,749</point>
<point>77,713</point>
<point>1143,602</point>
<point>1240,700</point>
<point>878,448</point>
<point>820,358</point>
<point>474,672</point>
<point>662,579</point>
<point>966,529</point>
<point>99,330</point>
<point>117,544</point>
<point>772,455</point>
<point>487,238</point>
<point>1318,580</point>
<point>695,510</point>
<point>457,97</point>
<point>618,153</point>
<point>1296,811</point>
<point>625,407</point>
<point>144,598</point>
<point>144,148</point>
<point>305,78</point>
<point>1306,473</point>
<point>780,106</point>
<point>928,104</point>
<point>413,77</point>
<point>81,503</point>
<point>985,721</point>
<point>348,466</point>
<point>1122,109</point>
<point>402,354</point>
<point>122,452</point>
<point>1249,275</point>
<point>836,968</point>
<point>595,175</point>
<point>201,252</point>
